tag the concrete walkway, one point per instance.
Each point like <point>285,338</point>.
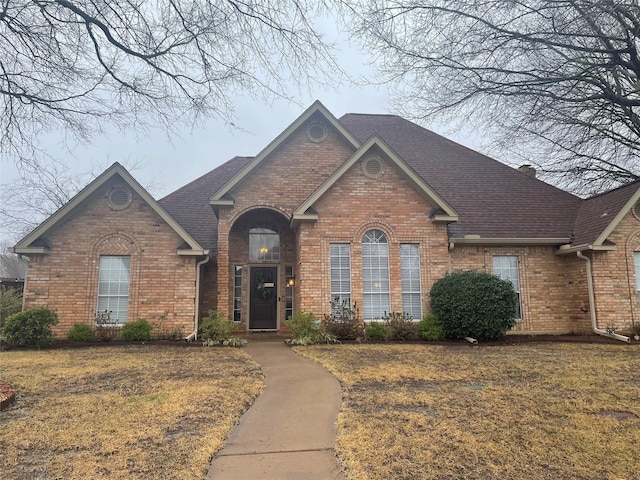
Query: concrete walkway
<point>289,432</point>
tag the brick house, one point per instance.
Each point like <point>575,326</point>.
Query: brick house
<point>370,208</point>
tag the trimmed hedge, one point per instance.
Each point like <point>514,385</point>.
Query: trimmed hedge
<point>474,304</point>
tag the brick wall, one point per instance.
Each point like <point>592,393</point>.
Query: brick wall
<point>553,288</point>
<point>282,182</point>
<point>351,207</point>
<point>162,284</point>
<point>614,278</point>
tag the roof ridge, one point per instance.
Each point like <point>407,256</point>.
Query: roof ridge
<point>620,187</point>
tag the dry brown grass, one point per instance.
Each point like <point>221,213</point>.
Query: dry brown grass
<point>530,411</point>
<point>141,412</point>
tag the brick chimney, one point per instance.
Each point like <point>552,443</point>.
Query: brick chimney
<point>528,170</point>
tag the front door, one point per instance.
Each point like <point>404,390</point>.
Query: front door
<point>263,303</point>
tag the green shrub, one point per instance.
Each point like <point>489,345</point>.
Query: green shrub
<point>138,331</point>
<point>81,332</point>
<point>31,328</point>
<point>306,330</point>
<point>10,303</point>
<point>430,328</point>
<point>215,328</point>
<point>401,326</point>
<point>474,304</point>
<point>344,321</point>
<point>376,331</point>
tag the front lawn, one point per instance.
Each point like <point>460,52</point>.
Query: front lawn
<point>121,412</point>
<point>529,411</point>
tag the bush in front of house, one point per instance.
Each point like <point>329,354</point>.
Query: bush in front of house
<point>81,332</point>
<point>344,321</point>
<point>138,331</point>
<point>430,328</point>
<point>474,304</point>
<point>215,330</point>
<point>10,303</point>
<point>376,331</point>
<point>31,328</point>
<point>400,326</point>
<point>307,330</point>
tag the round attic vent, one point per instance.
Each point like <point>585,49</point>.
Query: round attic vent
<point>373,167</point>
<point>119,198</point>
<point>636,210</point>
<point>317,132</point>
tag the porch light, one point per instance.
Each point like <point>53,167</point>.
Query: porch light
<point>290,281</point>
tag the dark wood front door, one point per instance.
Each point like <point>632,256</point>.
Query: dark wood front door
<point>263,306</point>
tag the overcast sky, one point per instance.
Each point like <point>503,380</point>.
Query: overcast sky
<point>168,162</point>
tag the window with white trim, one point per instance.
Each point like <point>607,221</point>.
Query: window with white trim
<point>340,272</point>
<point>237,293</point>
<point>636,257</point>
<point>375,275</point>
<point>506,268</point>
<point>410,273</point>
<point>113,286</point>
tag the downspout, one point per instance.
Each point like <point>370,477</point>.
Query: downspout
<point>592,304</point>
<point>194,335</point>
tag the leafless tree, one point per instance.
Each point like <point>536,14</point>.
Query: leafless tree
<point>554,82</point>
<point>78,65</point>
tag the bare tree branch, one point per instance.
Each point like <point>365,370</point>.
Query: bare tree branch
<point>78,65</point>
<point>553,82</point>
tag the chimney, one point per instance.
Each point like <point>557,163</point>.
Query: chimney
<point>528,170</point>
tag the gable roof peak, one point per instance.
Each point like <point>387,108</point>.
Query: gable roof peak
<point>316,108</point>
<point>28,243</point>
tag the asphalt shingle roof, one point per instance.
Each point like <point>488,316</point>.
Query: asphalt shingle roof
<point>189,205</point>
<point>597,212</point>
<point>492,199</point>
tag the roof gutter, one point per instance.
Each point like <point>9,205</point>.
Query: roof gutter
<point>194,335</point>
<point>478,240</point>
<point>592,304</point>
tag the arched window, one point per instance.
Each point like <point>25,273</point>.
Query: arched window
<point>264,244</point>
<point>375,274</point>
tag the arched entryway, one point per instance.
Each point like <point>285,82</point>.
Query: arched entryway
<point>261,262</point>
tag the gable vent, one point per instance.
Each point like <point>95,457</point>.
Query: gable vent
<point>636,210</point>
<point>373,167</point>
<point>317,132</point>
<point>119,198</point>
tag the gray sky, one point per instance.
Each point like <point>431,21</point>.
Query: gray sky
<point>166,162</point>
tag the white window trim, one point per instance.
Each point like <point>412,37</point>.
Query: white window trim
<point>517,288</point>
<point>402,282</point>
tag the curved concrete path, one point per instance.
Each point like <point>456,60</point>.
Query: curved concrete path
<point>289,432</point>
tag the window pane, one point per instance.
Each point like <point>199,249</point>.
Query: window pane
<point>237,294</point>
<point>113,286</point>
<point>506,268</point>
<point>340,272</point>
<point>410,271</point>
<point>375,275</point>
<point>264,244</point>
